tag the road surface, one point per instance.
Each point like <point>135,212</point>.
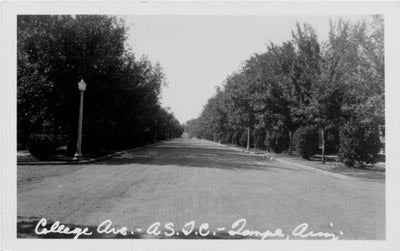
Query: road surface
<point>184,180</point>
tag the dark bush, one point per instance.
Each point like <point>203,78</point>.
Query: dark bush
<point>41,145</point>
<point>332,141</point>
<point>306,139</point>
<point>359,143</point>
<point>61,140</point>
<point>236,136</point>
<point>243,138</point>
<point>227,138</point>
<point>92,143</point>
<point>259,141</point>
<point>278,141</point>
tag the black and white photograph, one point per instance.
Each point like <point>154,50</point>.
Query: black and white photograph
<point>209,127</point>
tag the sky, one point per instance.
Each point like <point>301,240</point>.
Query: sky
<point>197,53</point>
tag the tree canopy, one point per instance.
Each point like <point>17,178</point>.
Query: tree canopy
<point>122,100</point>
<point>325,87</point>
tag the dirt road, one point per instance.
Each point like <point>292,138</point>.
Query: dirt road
<point>185,179</point>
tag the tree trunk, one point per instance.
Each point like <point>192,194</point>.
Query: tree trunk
<point>248,139</point>
<point>323,145</point>
<point>290,142</point>
<point>155,131</point>
<point>267,140</point>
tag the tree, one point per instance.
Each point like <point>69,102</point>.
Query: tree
<point>359,143</point>
<point>122,96</point>
<point>324,109</point>
<point>307,141</point>
<point>359,50</point>
<point>238,90</point>
<point>305,84</point>
<point>288,95</point>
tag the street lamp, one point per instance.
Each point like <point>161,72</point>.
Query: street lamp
<point>82,88</point>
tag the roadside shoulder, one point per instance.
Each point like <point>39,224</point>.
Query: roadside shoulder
<point>85,160</point>
<point>355,175</point>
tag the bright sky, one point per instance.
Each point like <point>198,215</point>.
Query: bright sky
<point>198,52</point>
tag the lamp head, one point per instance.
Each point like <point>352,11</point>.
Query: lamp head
<point>82,85</point>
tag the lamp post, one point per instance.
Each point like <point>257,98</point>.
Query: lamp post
<point>82,88</point>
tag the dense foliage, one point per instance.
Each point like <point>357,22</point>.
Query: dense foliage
<point>333,86</point>
<point>360,143</point>
<point>41,145</point>
<point>307,141</point>
<point>121,102</point>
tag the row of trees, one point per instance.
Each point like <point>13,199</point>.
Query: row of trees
<point>304,93</point>
<point>122,100</point>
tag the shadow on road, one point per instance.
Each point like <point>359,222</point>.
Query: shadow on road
<point>191,153</point>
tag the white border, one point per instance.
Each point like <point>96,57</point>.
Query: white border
<point>9,10</point>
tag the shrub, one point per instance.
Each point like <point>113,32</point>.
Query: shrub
<point>332,141</point>
<point>227,138</point>
<point>359,143</point>
<point>235,137</point>
<point>278,141</point>
<point>306,139</point>
<point>41,145</point>
<point>259,141</point>
<point>243,138</point>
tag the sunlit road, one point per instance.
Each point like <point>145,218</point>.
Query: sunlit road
<point>185,179</point>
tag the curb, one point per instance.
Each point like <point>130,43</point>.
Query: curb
<point>306,167</point>
<point>86,161</point>
<point>332,174</point>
